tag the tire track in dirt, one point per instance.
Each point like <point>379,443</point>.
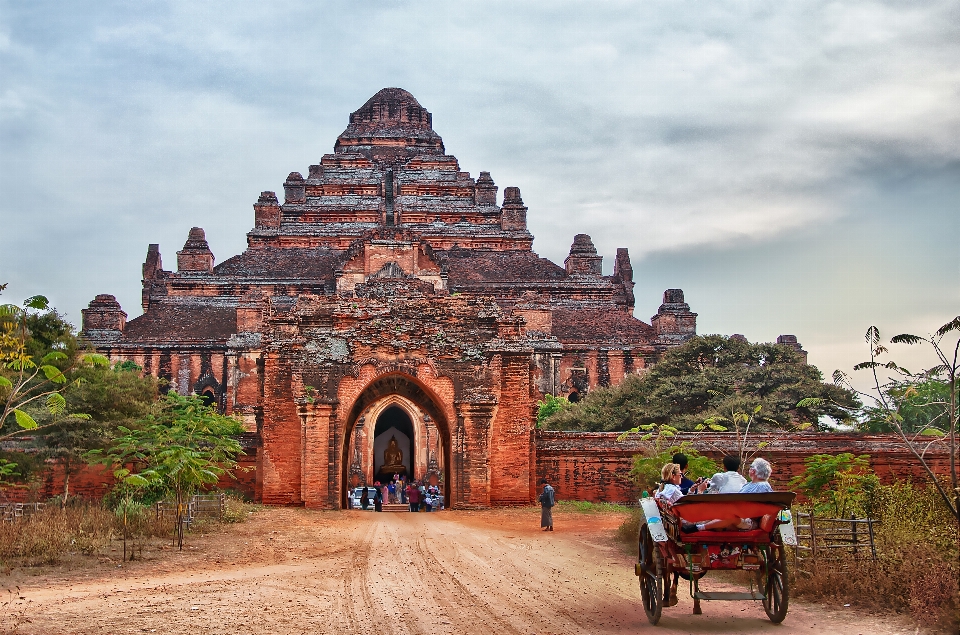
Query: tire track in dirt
<point>356,587</point>
<point>479,614</point>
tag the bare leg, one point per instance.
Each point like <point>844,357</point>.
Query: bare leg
<point>720,523</point>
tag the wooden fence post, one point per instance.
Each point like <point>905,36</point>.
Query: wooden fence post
<point>813,538</point>
<point>853,534</point>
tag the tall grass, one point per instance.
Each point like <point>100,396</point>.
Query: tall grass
<point>88,529</point>
<point>586,507</point>
<point>916,571</point>
<point>45,537</point>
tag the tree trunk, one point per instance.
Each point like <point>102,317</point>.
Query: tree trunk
<point>66,484</point>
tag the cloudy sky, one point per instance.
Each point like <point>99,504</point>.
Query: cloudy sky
<point>793,167</point>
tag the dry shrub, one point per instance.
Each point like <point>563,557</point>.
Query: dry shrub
<point>915,580</point>
<point>235,509</point>
<point>629,530</point>
<point>916,570</point>
<point>45,537</point>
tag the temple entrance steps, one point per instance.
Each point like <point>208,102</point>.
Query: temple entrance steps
<point>396,507</point>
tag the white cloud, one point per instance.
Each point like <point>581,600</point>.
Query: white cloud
<point>677,130</point>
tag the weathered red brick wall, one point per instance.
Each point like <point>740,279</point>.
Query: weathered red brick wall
<point>510,434</point>
<point>93,482</point>
<point>594,466</point>
<point>279,460</point>
<point>590,466</point>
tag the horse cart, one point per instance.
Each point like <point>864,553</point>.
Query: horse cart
<point>665,551</point>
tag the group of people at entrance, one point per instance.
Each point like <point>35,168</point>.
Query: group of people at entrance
<point>420,497</point>
<point>425,498</point>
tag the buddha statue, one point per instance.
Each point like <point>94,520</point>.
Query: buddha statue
<point>393,458</point>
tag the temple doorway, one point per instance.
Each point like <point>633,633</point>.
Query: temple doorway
<point>393,445</point>
<point>395,426</point>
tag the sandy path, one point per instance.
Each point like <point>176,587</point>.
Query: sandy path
<point>292,571</point>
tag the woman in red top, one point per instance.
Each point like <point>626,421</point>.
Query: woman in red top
<point>413,495</point>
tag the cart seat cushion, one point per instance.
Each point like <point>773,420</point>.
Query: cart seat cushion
<point>704,507</point>
<point>768,522</point>
<point>754,536</point>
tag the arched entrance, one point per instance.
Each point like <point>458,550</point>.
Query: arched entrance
<point>396,407</point>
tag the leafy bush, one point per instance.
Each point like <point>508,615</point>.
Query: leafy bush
<point>550,406</point>
<point>840,484</point>
<point>646,467</point>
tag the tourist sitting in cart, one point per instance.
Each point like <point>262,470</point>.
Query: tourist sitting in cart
<point>729,482</point>
<point>670,491</point>
<point>760,471</point>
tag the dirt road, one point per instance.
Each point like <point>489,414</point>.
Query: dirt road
<point>294,571</point>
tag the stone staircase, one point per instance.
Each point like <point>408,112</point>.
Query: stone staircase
<point>396,507</point>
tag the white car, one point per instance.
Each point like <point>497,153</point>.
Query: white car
<point>357,493</point>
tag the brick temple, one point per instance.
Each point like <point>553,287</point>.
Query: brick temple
<point>391,301</point>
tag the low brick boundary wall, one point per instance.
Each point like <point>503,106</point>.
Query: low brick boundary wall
<point>594,466</point>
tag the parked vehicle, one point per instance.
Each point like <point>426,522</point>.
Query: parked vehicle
<point>357,494</point>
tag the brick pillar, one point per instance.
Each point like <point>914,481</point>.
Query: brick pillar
<point>319,489</point>
<point>280,459</point>
<point>510,456</point>
<point>471,454</point>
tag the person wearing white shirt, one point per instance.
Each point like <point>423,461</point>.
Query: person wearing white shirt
<point>670,486</point>
<point>728,482</point>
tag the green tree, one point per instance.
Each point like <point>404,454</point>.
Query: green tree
<point>708,377</point>
<point>897,394</point>
<point>549,407</point>
<point>184,446</point>
<point>102,399</point>
<point>921,402</point>
<point>838,483</point>
<point>34,365</point>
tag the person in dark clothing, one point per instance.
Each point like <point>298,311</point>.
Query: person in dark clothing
<point>413,495</point>
<point>685,483</point>
<point>377,499</point>
<point>364,499</point>
<point>547,501</point>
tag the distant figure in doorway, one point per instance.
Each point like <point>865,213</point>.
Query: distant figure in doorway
<point>377,498</point>
<point>547,501</point>
<point>364,499</point>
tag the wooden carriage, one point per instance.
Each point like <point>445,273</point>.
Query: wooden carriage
<point>664,549</point>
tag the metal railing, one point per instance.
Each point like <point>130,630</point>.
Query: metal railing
<point>10,512</point>
<point>209,505</point>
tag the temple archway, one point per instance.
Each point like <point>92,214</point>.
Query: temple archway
<point>396,406</point>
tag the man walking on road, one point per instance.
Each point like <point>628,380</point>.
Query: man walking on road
<point>547,501</point>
